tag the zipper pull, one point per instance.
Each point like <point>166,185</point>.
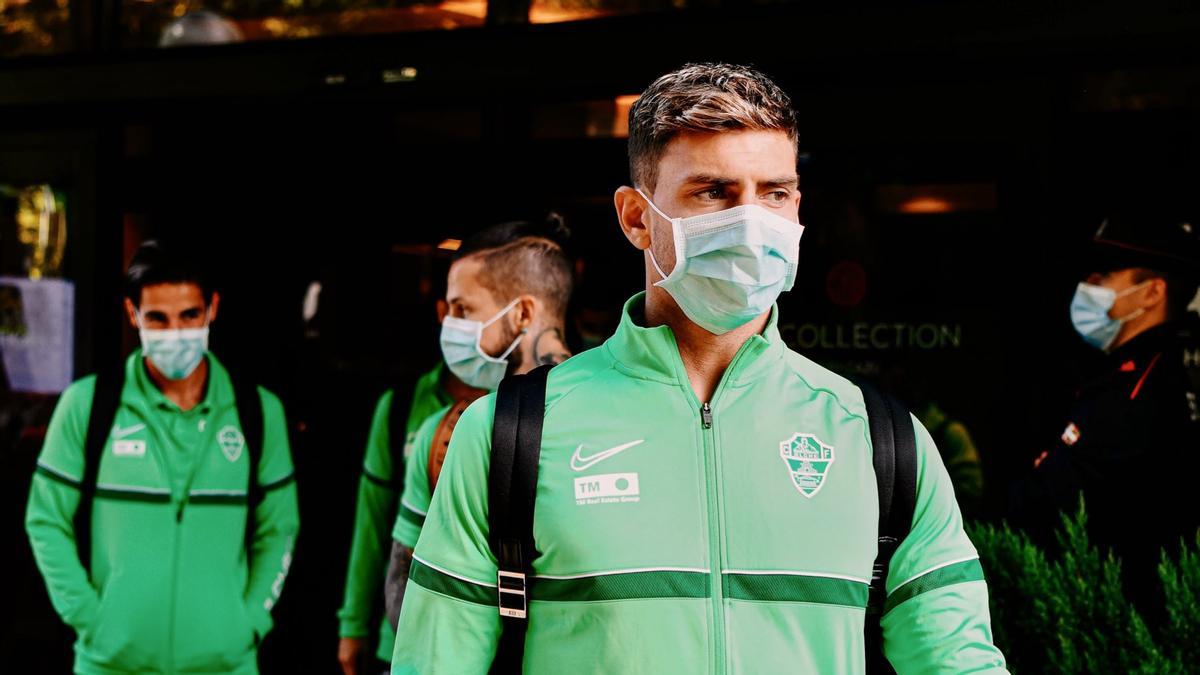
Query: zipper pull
<point>706,415</point>
<point>179,512</point>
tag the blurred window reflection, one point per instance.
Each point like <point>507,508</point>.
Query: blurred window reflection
<point>171,23</point>
<point>606,118</point>
<point>557,11</point>
<point>32,27</point>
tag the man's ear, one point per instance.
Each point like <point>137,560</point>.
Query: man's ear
<point>131,312</point>
<point>443,309</point>
<point>631,214</point>
<point>525,313</point>
<point>1156,292</point>
<point>213,305</point>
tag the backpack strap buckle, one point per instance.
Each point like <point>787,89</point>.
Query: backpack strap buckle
<point>511,587</point>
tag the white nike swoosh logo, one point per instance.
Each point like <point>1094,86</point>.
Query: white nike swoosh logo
<point>118,432</point>
<point>581,463</point>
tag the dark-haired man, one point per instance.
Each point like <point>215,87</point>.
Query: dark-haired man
<point>190,528</point>
<point>507,293</point>
<point>1130,441</point>
<point>706,500</point>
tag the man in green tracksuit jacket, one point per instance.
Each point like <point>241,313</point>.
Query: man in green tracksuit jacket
<point>171,584</point>
<point>380,505</point>
<point>523,261</point>
<point>378,502</point>
<point>706,501</point>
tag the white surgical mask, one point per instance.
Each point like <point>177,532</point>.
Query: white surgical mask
<point>175,352</point>
<point>465,356</point>
<point>1089,313</point>
<point>731,265</point>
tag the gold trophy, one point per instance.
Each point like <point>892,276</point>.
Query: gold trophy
<point>41,230</point>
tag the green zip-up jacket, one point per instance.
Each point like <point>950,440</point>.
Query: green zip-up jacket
<point>170,589</point>
<point>378,498</point>
<point>678,537</point>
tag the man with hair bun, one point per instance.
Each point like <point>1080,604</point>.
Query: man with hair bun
<point>507,293</point>
<point>505,261</point>
<point>706,500</point>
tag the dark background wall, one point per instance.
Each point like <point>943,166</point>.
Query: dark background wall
<point>1048,113</point>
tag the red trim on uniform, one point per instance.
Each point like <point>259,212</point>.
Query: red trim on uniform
<point>1128,367</point>
<point>1142,379</point>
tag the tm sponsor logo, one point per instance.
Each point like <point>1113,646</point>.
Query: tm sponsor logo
<point>607,488</point>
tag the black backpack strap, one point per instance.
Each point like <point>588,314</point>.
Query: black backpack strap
<point>105,400</point>
<point>250,417</point>
<point>402,399</point>
<point>512,490</point>
<point>894,456</point>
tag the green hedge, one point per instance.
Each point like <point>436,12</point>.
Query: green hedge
<point>1067,613</point>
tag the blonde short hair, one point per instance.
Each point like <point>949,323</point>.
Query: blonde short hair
<point>705,97</point>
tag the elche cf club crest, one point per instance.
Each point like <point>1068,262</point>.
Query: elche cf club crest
<point>232,442</point>
<point>808,460</point>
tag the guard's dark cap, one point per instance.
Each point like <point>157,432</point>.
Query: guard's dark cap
<point>1163,241</point>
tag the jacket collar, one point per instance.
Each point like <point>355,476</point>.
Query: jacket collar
<point>653,354</point>
<point>142,393</point>
<point>1145,345</point>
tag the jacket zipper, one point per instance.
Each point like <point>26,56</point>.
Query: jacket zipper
<point>174,586</point>
<point>714,537</point>
<point>713,493</point>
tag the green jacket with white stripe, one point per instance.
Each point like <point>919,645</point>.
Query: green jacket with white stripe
<point>675,538</point>
<point>170,589</point>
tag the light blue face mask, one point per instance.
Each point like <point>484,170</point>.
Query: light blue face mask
<point>731,265</point>
<point>466,358</point>
<point>175,352</point>
<point>1089,313</point>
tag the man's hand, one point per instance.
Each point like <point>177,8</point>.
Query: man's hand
<point>349,651</point>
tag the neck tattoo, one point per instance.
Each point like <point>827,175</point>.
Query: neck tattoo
<point>554,353</point>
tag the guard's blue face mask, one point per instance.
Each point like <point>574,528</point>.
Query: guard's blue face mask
<point>1089,313</point>
<point>175,352</point>
<point>731,265</point>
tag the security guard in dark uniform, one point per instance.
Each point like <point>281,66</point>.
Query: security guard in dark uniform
<point>1131,440</point>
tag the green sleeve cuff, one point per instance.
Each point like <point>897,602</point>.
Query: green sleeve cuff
<point>352,628</point>
<point>352,619</point>
<point>260,620</point>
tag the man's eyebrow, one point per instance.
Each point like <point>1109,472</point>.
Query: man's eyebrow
<point>783,181</point>
<point>709,179</point>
